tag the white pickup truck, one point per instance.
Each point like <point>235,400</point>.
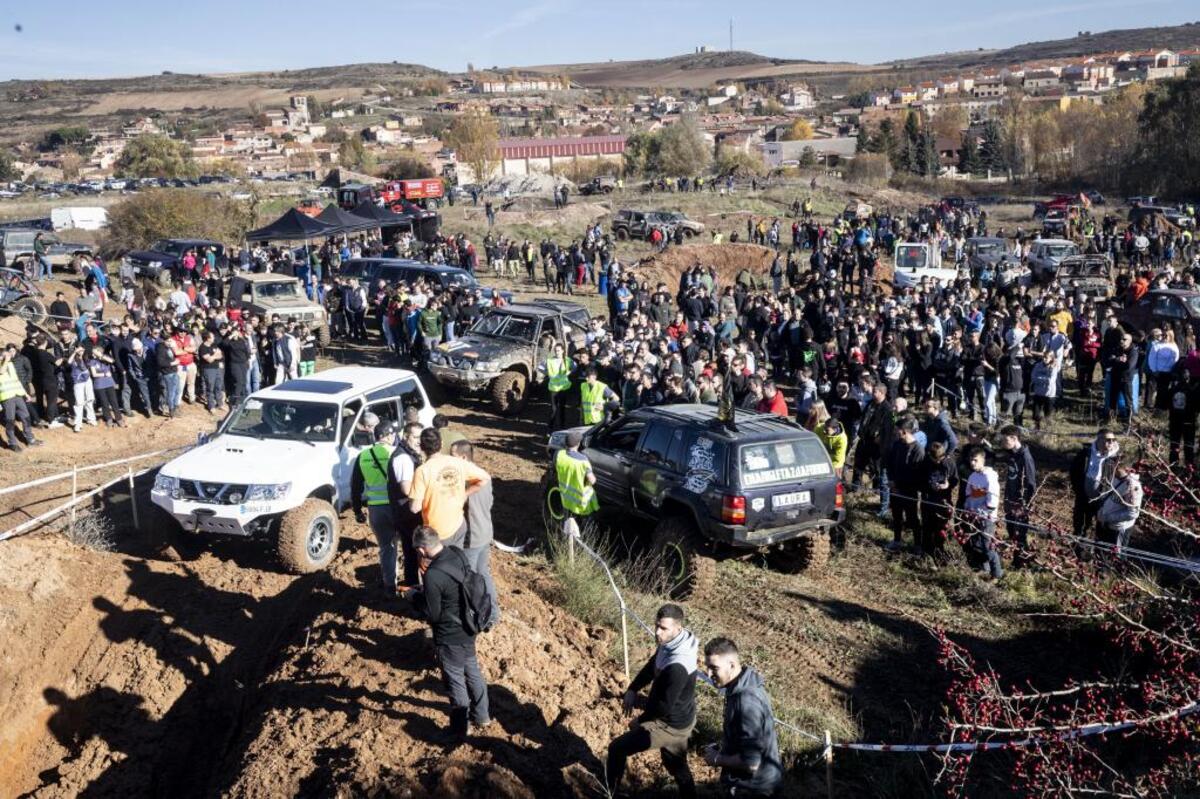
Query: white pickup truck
<point>280,464</point>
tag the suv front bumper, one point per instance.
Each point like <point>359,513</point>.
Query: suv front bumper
<point>740,537</point>
<point>470,379</point>
<point>205,517</point>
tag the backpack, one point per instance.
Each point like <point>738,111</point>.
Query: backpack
<point>474,600</point>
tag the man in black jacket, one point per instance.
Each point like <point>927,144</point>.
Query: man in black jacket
<point>444,576</point>
<point>669,712</point>
<point>1020,483</point>
<point>748,754</point>
<point>1122,366</point>
<point>936,427</point>
<point>904,473</point>
<point>874,433</point>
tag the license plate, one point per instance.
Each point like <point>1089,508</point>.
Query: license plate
<point>791,500</point>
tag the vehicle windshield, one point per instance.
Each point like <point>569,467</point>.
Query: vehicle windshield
<point>1061,250</point>
<point>912,256</point>
<point>464,279</point>
<point>520,328</point>
<point>285,420</point>
<point>169,247</point>
<point>783,461</point>
<point>1193,304</point>
<point>989,248</point>
<point>283,290</point>
<point>1083,268</point>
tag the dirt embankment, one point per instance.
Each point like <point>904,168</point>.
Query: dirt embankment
<point>727,259</point>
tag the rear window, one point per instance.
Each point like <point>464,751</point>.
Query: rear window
<point>774,462</point>
<point>911,256</point>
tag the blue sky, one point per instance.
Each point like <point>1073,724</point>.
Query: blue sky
<point>85,38</point>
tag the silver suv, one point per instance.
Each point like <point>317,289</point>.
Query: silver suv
<point>1046,254</point>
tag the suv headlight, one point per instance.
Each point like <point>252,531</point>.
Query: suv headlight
<point>267,491</point>
<point>154,264</point>
<point>164,484</point>
<point>488,366</point>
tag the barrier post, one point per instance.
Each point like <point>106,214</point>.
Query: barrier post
<point>74,492</point>
<point>828,765</point>
<point>625,641</point>
<point>133,502</point>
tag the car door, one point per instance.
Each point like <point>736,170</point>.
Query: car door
<point>653,472</point>
<point>354,440</point>
<point>611,452</point>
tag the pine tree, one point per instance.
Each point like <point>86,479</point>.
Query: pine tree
<point>968,156</point>
<point>912,144</point>
<point>991,150</point>
<point>927,155</point>
<point>863,143</point>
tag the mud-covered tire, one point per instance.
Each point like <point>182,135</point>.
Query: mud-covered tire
<point>622,234</point>
<point>29,309</point>
<point>308,537</point>
<point>808,553</point>
<point>687,234</point>
<point>687,570</point>
<point>510,392</point>
<point>323,336</point>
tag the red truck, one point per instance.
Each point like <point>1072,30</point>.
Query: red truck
<point>411,190</point>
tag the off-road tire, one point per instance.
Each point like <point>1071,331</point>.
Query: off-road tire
<point>29,309</point>
<point>687,234</point>
<point>302,546</point>
<point>808,553</point>
<point>323,336</point>
<point>622,234</point>
<point>688,571</point>
<point>165,278</point>
<point>606,189</point>
<point>510,392</point>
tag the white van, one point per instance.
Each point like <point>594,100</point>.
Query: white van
<point>280,464</point>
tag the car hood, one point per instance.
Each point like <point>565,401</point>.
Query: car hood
<point>243,460</point>
<point>272,302</point>
<point>480,348</point>
<point>151,255</point>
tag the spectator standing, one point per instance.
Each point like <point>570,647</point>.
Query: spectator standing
<point>903,472</point>
<point>478,547</point>
<point>1090,473</point>
<point>1121,506</point>
<point>669,711</point>
<point>442,592</point>
<point>440,489</point>
<point>405,460</point>
<point>83,390</point>
<point>748,754</point>
<point>13,400</point>
<point>212,371</point>
<point>1183,404</point>
<point>939,476</point>
<point>982,503</point>
<point>1020,484</point>
<point>370,485</point>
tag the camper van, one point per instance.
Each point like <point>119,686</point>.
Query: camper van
<point>915,261</point>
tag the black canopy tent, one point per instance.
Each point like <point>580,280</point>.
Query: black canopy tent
<point>387,221</point>
<point>346,221</point>
<point>293,226</point>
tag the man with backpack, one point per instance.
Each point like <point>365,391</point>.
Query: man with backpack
<point>453,595</point>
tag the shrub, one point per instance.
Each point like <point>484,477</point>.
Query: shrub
<point>174,213</point>
<point>873,169</point>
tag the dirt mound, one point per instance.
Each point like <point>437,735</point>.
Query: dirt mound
<point>526,211</point>
<point>535,183</point>
<point>727,259</point>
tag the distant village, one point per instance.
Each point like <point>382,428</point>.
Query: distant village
<point>564,123</point>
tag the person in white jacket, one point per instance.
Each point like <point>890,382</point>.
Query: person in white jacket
<point>980,507</point>
<point>1161,358</point>
<point>1121,508</point>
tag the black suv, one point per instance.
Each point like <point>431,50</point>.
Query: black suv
<point>712,492</point>
<point>163,259</point>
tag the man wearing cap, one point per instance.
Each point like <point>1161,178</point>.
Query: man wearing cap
<point>370,484</point>
<point>576,481</point>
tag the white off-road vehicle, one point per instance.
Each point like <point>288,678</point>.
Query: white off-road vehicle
<point>280,464</point>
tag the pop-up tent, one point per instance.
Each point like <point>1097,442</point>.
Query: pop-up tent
<point>382,216</point>
<point>293,226</point>
<point>344,220</point>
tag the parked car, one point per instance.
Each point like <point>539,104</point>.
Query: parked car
<point>1046,254</point>
<point>280,465</point>
<point>279,295</point>
<point>162,262</point>
<point>1174,309</point>
<point>17,243</point>
<point>627,224</point>
<point>500,353</point>
<point>767,488</point>
<point>1054,223</point>
<point>396,270</point>
<point>1173,215</point>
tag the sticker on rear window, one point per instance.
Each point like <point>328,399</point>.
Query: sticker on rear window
<point>784,473</point>
<point>700,466</point>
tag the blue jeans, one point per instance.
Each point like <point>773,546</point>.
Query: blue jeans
<point>991,390</point>
<point>46,271</point>
<point>170,390</point>
<point>383,524</point>
<point>885,490</point>
<point>253,376</point>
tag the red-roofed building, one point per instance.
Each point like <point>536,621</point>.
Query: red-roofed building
<point>523,156</point>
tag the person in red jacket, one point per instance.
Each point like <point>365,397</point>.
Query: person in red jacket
<point>772,400</point>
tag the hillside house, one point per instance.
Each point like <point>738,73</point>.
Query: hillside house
<point>905,95</point>
<point>947,86</point>
<point>798,97</point>
<point>989,87</point>
<point>1039,80</point>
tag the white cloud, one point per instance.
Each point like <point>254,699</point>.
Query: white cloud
<point>530,15</point>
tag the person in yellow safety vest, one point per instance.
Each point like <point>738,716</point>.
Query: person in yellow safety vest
<point>596,400</point>
<point>369,485</point>
<point>556,370</point>
<point>12,398</point>
<point>806,207</point>
<point>576,482</point>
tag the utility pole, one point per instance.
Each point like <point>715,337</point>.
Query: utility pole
<point>731,34</point>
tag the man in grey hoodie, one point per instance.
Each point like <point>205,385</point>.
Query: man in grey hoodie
<point>748,754</point>
<point>669,711</point>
